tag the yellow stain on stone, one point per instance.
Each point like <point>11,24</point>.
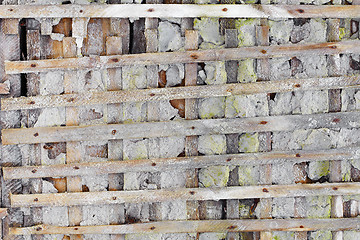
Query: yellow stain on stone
<point>319,206</point>
<point>249,142</point>
<point>214,176</point>
<point>246,71</point>
<point>248,175</point>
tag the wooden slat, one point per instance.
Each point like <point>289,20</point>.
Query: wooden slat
<point>155,94</point>
<point>4,88</point>
<point>179,128</point>
<point>73,149</point>
<point>244,225</point>
<point>178,11</point>
<point>191,112</point>
<point>94,62</point>
<point>188,194</point>
<point>262,38</point>
<point>3,213</point>
<point>166,164</point>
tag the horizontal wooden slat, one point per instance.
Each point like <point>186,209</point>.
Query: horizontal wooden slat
<point>179,128</point>
<point>186,194</point>
<point>178,11</point>
<point>96,62</point>
<point>165,164</point>
<point>244,225</point>
<point>4,88</point>
<point>93,98</point>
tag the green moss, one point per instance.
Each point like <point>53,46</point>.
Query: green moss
<point>249,142</point>
<point>319,169</point>
<point>246,71</point>
<point>321,235</point>
<point>248,175</point>
<point>342,33</point>
<point>212,108</point>
<point>278,235</point>
<point>319,206</point>
<point>217,176</point>
<point>244,210</point>
<point>246,31</point>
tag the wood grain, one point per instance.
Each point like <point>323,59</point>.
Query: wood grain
<point>178,11</point>
<point>188,194</point>
<point>179,128</point>
<point>96,62</point>
<point>165,164</point>
<point>245,225</point>
<point>188,92</point>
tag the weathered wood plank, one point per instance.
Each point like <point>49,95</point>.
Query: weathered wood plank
<point>179,11</point>
<point>73,149</point>
<point>262,38</point>
<point>10,26</point>
<point>3,213</point>
<point>179,128</point>
<point>334,65</point>
<point>188,194</point>
<point>94,62</point>
<point>191,112</point>
<point>4,88</point>
<point>244,225</point>
<point>188,92</point>
<point>165,164</point>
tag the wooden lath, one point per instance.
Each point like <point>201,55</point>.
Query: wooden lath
<point>98,62</point>
<point>3,213</point>
<point>156,94</point>
<point>186,194</point>
<point>4,88</point>
<point>244,225</point>
<point>179,128</point>
<point>178,11</point>
<point>166,164</point>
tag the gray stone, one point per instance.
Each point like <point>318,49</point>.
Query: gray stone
<point>212,144</point>
<point>246,106</point>
<point>212,107</point>
<point>169,37</point>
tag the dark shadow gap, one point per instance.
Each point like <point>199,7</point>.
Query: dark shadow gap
<point>23,55</point>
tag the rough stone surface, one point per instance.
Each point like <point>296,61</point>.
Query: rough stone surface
<point>212,144</point>
<point>169,37</point>
<point>246,106</point>
<point>215,73</point>
<point>212,107</point>
<point>51,117</point>
<point>248,175</point>
<point>283,207</point>
<point>51,83</point>
<point>318,206</point>
<point>249,142</point>
<point>209,31</point>
<point>321,235</point>
<point>134,77</point>
<point>214,176</point>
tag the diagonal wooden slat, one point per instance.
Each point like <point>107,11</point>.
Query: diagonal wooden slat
<point>3,213</point>
<point>156,94</point>
<point>244,225</point>
<point>96,62</point>
<point>179,11</point>
<point>165,164</point>
<point>4,88</point>
<point>179,128</point>
<point>186,194</point>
